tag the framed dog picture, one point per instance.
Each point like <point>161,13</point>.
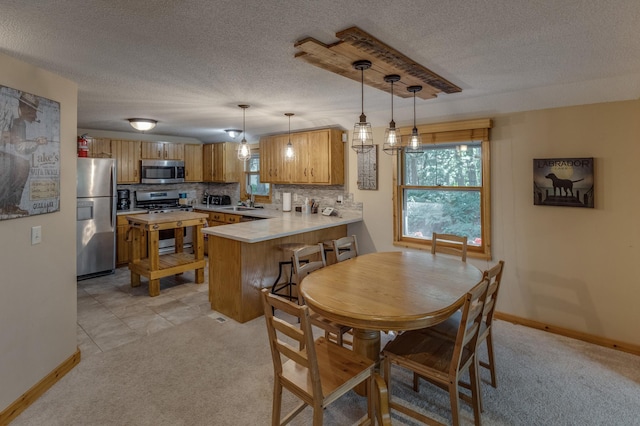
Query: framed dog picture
<point>564,182</point>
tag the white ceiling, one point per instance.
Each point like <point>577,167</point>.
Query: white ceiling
<point>188,64</point>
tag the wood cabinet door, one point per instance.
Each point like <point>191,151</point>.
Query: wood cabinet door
<point>127,155</point>
<point>265,159</point>
<point>99,148</point>
<point>319,157</point>
<point>207,162</point>
<point>299,166</point>
<point>152,150</point>
<point>193,162</point>
<point>172,151</point>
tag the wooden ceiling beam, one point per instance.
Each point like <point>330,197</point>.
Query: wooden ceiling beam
<point>356,44</point>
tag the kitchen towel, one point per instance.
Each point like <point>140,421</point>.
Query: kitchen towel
<point>286,201</point>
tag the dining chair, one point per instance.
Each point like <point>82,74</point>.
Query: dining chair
<point>440,360</point>
<point>345,248</point>
<point>449,244</point>
<point>317,372</point>
<point>450,326</point>
<point>306,260</point>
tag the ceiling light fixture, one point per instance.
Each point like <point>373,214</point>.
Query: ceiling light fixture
<point>244,152</point>
<point>362,140</point>
<point>233,132</point>
<point>414,145</point>
<point>142,124</point>
<point>289,153</point>
<point>392,139</point>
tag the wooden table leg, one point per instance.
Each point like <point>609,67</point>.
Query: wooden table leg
<point>154,287</point>
<point>135,250</point>
<point>367,343</point>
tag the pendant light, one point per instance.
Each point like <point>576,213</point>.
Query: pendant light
<point>392,139</point>
<point>414,144</point>
<point>362,140</point>
<point>289,153</point>
<point>244,152</point>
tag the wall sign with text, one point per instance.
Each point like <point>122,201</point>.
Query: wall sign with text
<point>29,154</point>
<point>564,182</point>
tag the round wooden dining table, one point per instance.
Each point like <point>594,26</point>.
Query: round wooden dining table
<point>388,291</point>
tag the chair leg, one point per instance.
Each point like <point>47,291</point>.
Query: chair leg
<point>318,414</point>
<point>491,365</point>
<point>277,403</point>
<point>475,392</point>
<point>455,403</point>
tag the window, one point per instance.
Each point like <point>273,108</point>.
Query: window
<point>445,188</point>
<point>252,185</point>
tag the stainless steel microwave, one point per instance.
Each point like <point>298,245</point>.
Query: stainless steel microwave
<point>162,171</point>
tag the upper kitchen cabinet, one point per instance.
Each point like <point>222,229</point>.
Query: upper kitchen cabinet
<point>127,155</point>
<point>162,151</point>
<point>193,162</point>
<point>220,162</point>
<point>319,158</point>
<point>99,148</point>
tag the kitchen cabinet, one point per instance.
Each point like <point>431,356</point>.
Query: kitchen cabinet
<point>99,148</point>
<point>162,151</point>
<point>319,158</point>
<point>127,155</point>
<point>193,163</point>
<point>220,162</point>
<point>123,248</point>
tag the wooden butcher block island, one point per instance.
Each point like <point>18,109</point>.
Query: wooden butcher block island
<point>157,266</point>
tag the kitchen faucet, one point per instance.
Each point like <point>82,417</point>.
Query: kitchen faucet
<point>252,199</point>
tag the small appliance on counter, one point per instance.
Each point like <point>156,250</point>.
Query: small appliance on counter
<point>124,199</point>
<point>216,200</point>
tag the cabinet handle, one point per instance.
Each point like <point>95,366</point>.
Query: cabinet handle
<point>305,172</point>
<point>312,172</point>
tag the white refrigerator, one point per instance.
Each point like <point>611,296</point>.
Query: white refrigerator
<point>96,217</point>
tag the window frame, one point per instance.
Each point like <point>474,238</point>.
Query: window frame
<point>264,199</point>
<point>446,134</point>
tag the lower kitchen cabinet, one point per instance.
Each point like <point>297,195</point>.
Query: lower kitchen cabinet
<point>215,219</point>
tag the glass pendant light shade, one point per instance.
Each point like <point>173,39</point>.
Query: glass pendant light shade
<point>289,153</point>
<point>362,140</point>
<point>244,152</point>
<point>414,142</point>
<point>392,138</point>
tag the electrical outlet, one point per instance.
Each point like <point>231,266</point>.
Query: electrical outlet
<point>340,199</point>
<point>36,234</point>
<point>277,195</point>
<point>295,197</point>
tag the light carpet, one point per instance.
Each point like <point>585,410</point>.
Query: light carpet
<point>204,372</point>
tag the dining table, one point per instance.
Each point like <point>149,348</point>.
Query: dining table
<point>389,291</point>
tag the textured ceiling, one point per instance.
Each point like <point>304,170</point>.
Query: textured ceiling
<point>188,64</point>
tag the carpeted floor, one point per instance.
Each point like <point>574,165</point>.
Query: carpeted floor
<point>205,372</point>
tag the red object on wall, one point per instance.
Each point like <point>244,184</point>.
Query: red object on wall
<point>83,146</point>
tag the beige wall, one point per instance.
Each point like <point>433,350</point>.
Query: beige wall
<point>38,283</point>
<point>567,267</point>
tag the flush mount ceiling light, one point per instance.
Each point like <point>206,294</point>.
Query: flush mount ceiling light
<point>244,152</point>
<point>362,140</point>
<point>142,124</point>
<point>233,132</point>
<point>289,153</point>
<point>414,145</point>
<point>392,139</point>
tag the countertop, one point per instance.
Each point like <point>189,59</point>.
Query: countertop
<point>253,212</point>
<point>277,224</point>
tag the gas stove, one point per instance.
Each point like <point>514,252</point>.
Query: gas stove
<point>160,201</point>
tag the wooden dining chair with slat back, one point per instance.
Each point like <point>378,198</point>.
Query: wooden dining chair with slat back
<point>345,248</point>
<point>449,244</point>
<point>305,261</point>
<point>450,326</point>
<point>317,372</point>
<point>440,360</point>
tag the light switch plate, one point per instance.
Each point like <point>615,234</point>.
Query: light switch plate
<point>36,234</point>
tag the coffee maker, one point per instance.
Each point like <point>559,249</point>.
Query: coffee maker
<point>124,202</point>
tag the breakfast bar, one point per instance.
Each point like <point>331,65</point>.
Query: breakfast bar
<point>243,257</point>
<point>157,266</point>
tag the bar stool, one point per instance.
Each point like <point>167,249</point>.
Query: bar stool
<point>277,287</point>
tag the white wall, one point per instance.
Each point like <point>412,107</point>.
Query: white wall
<point>568,267</point>
<point>38,283</point>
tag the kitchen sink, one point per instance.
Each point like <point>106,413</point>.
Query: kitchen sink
<point>238,208</point>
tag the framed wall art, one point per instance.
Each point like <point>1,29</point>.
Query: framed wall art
<point>29,154</point>
<point>566,182</point>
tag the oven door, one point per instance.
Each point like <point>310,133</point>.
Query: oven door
<point>167,240</point>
